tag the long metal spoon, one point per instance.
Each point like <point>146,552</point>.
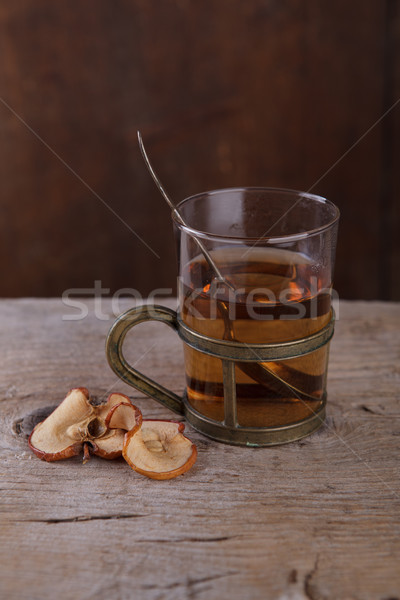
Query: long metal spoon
<point>257,371</point>
<point>178,216</point>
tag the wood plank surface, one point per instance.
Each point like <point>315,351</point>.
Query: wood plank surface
<point>317,519</point>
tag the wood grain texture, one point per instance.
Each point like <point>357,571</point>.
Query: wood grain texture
<point>316,519</point>
<point>226,93</point>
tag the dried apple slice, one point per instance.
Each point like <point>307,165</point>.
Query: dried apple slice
<point>80,423</point>
<point>124,415</point>
<point>159,450</point>
<point>49,440</point>
<point>109,446</point>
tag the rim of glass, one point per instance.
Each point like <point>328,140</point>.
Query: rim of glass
<point>271,239</point>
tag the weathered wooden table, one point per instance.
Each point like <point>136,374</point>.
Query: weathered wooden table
<point>316,519</point>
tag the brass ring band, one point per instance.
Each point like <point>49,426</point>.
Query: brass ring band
<point>255,436</point>
<point>241,351</point>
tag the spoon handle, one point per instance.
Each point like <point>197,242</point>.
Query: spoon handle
<point>200,244</point>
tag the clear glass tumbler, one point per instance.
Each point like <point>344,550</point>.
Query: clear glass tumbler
<point>256,340</point>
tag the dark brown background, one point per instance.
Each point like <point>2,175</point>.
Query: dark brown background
<point>226,93</point>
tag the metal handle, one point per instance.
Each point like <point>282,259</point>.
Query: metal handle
<point>124,370</point>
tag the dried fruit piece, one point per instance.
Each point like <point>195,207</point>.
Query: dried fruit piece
<point>124,415</point>
<point>78,423</point>
<point>159,450</point>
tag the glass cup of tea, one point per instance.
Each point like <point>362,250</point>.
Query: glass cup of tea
<point>255,314</point>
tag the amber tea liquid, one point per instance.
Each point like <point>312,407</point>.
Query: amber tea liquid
<point>278,297</point>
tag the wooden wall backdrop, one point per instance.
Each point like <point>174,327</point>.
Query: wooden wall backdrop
<point>226,93</point>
